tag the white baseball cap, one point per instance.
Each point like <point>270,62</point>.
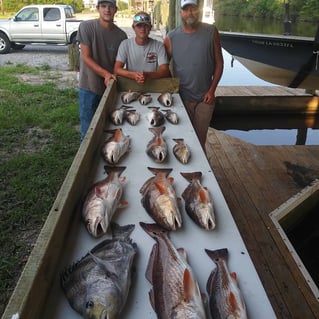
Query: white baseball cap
<point>188,2</point>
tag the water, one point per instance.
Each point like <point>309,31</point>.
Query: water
<point>239,24</point>
<point>238,75</point>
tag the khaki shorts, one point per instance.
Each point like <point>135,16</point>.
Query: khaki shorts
<point>200,114</point>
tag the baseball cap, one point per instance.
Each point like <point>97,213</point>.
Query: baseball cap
<point>141,17</point>
<point>110,1</point>
<point>185,3</point>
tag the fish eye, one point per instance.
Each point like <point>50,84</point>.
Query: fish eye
<point>90,304</point>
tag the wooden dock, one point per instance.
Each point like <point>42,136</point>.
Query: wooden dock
<point>255,180</point>
<point>265,99</point>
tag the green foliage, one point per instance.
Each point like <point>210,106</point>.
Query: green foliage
<point>15,5</point>
<point>299,9</point>
<point>38,141</point>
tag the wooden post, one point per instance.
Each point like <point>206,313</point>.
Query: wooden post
<point>74,56</point>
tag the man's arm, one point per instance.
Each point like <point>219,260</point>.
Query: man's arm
<point>219,68</point>
<point>96,68</point>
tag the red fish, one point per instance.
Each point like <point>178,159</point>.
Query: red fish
<point>225,298</point>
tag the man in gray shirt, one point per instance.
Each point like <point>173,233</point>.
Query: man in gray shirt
<point>142,57</point>
<point>198,63</point>
<point>99,41</point>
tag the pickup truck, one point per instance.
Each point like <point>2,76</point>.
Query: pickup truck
<point>34,24</point>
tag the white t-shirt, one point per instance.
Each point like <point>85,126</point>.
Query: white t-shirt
<point>138,58</point>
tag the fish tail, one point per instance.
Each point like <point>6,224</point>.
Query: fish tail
<point>215,255</point>
<point>154,230</point>
<point>113,169</point>
<point>192,176</point>
<point>157,131</point>
<point>156,170</point>
<point>122,232</point>
<point>178,140</point>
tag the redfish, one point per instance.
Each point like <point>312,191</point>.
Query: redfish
<point>225,298</point>
<point>181,150</point>
<point>102,201</point>
<point>160,200</point>
<point>198,203</point>
<point>145,99</point>
<point>166,99</point>
<point>130,96</point>
<point>175,293</point>
<point>115,146</point>
<point>157,147</point>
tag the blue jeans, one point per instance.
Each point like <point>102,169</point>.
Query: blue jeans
<point>88,103</point>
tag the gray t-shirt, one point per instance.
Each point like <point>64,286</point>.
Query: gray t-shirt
<point>193,60</point>
<point>104,44</point>
<point>140,58</point>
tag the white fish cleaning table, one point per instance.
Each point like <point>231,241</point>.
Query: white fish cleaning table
<point>64,238</point>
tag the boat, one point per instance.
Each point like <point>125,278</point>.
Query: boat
<point>286,60</point>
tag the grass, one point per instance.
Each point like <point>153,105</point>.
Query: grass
<point>38,140</point>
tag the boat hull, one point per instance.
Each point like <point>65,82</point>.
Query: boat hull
<point>276,59</point>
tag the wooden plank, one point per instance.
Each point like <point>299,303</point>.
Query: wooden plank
<point>152,85</point>
<point>240,204</point>
<point>262,168</point>
<point>33,287</point>
<point>259,90</point>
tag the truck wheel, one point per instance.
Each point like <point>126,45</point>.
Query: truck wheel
<point>5,44</point>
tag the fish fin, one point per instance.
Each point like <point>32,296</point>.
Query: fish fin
<point>156,170</point>
<point>210,281</point>
<point>178,140</point>
<point>152,299</point>
<point>188,283</point>
<point>233,302</point>
<point>179,202</point>
<point>203,195</point>
<point>217,254</point>
<point>145,185</point>
<point>160,188</point>
<point>109,267</point>
<point>151,263</point>
<point>121,232</point>
<point>122,179</point>
<point>114,169</point>
<point>192,176</point>
<point>159,140</point>
<point>98,191</point>
<point>182,252</point>
<point>123,204</point>
<point>234,276</point>
<point>118,135</point>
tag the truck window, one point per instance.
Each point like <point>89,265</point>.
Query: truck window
<point>28,14</point>
<point>51,14</point>
<point>69,13</point>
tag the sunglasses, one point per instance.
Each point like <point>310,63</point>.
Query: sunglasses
<point>142,18</point>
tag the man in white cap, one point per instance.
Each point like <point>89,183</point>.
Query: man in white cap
<point>198,63</point>
<point>142,57</point>
<point>99,41</point>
